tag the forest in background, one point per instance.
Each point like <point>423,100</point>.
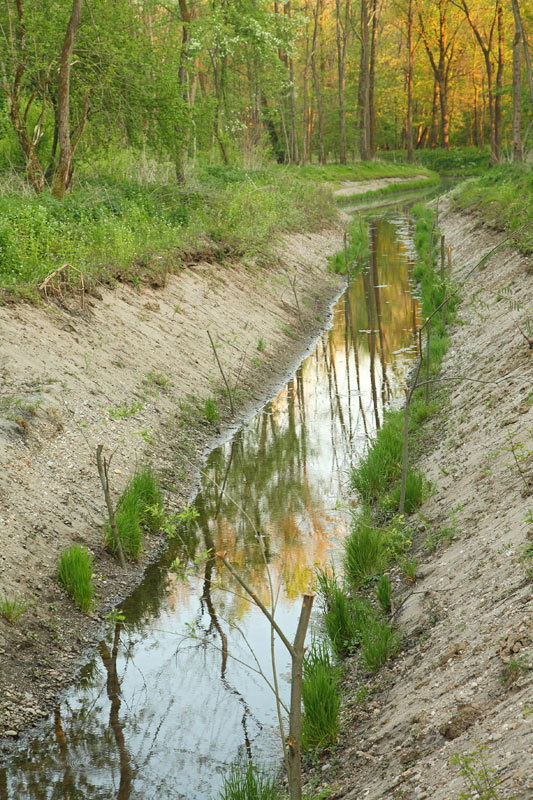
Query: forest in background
<point>138,135</point>
<point>243,82</point>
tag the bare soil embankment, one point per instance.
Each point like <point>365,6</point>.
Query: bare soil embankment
<point>121,372</point>
<point>465,674</point>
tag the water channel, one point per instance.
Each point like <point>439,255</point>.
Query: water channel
<point>167,703</point>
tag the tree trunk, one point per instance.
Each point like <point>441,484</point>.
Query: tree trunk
<point>518,154</point>
<point>67,147</point>
<point>363,87</point>
<point>316,81</point>
<point>342,33</point>
<point>410,77</point>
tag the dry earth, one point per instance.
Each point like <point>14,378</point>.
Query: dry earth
<point>120,372</point>
<point>465,674</point>
<point>350,188</point>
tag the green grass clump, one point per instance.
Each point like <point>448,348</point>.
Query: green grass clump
<point>382,464</point>
<point>378,643</point>
<point>321,699</point>
<point>11,608</point>
<point>461,161</point>
<point>247,782</point>
<point>365,552</point>
<point>391,188</point>
<point>211,412</point>
<point>139,509</point>
<point>75,574</point>
<point>344,616</point>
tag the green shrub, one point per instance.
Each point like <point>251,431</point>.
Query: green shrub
<point>321,699</point>
<point>365,552</point>
<point>75,574</point>
<point>247,782</point>
<point>378,643</point>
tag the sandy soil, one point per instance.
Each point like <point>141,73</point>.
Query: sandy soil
<point>351,188</point>
<point>465,674</point>
<point>116,373</point>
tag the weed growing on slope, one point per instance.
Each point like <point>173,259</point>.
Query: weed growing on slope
<point>378,643</point>
<point>139,509</point>
<point>11,608</point>
<point>248,782</point>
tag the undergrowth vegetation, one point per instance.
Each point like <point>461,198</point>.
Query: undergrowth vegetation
<point>122,224</point>
<point>75,571</point>
<point>247,782</point>
<point>502,197</point>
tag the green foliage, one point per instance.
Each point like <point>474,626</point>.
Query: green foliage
<point>502,198</point>
<point>125,411</point>
<point>75,571</point>
<point>120,227</point>
<point>378,643</point>
<point>139,509</point>
<point>321,699</point>
<point>480,777</point>
<point>344,616</point>
<point>365,552</point>
<point>11,608</point>
<point>391,189</point>
<point>381,466</point>
<point>247,782</point>
<point>211,412</point>
<point>461,161</point>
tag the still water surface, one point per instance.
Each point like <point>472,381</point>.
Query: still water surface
<point>167,703</point>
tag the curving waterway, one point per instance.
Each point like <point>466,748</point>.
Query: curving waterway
<point>174,693</point>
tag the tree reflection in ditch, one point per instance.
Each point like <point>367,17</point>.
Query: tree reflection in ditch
<point>165,705</point>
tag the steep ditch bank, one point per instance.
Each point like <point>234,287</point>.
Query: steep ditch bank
<point>465,674</point>
<point>121,371</point>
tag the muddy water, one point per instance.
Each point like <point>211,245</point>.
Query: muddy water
<point>180,687</point>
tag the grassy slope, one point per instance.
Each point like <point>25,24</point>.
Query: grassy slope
<point>502,198</point>
<point>124,223</point>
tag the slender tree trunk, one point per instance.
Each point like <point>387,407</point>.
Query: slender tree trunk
<point>67,146</point>
<point>518,154</point>
<point>371,116</point>
<point>342,33</point>
<point>410,78</point>
<point>181,126</point>
<point>363,87</point>
<point>316,81</point>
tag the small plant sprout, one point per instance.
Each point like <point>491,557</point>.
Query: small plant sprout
<point>125,411</point>
<point>481,779</point>
<point>114,617</point>
<point>261,344</point>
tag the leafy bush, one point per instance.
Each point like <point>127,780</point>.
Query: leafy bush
<point>75,574</point>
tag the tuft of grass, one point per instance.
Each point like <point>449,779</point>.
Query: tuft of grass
<point>75,571</point>
<point>248,782</point>
<point>139,509</point>
<point>415,493</point>
<point>378,643</point>
<point>344,616</point>
<point>321,699</point>
<point>11,608</point>
<point>211,412</point>
<point>125,411</point>
<point>365,552</point>
<point>382,464</point>
<point>261,344</point>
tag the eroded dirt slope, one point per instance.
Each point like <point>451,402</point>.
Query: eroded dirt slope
<point>120,372</point>
<point>465,675</point>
